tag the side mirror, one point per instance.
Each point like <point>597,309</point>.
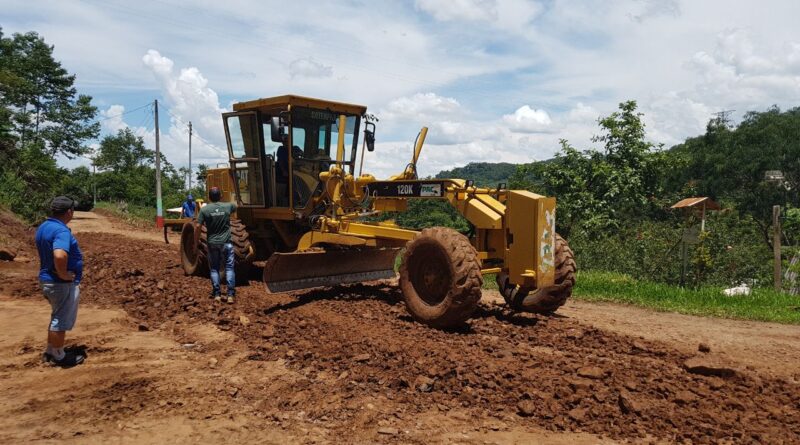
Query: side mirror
<point>276,129</point>
<point>369,137</point>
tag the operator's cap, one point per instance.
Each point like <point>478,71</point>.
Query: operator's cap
<point>62,204</point>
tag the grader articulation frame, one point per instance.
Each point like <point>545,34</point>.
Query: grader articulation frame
<point>302,211</point>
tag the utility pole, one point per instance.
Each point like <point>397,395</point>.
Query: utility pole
<point>94,184</point>
<point>190,155</point>
<point>159,209</point>
<point>776,245</point>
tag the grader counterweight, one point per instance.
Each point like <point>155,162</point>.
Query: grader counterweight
<point>305,213</point>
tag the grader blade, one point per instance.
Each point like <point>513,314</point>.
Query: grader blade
<point>304,270</point>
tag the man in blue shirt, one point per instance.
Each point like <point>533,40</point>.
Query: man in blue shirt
<point>188,207</point>
<point>60,273</point>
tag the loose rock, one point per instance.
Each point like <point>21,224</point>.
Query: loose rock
<point>591,372</point>
<point>424,384</point>
<point>628,404</point>
<point>577,414</point>
<point>526,408</point>
<point>684,397</point>
<point>7,254</point>
<point>708,366</point>
<point>361,358</point>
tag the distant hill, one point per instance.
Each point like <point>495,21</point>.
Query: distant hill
<point>485,174</point>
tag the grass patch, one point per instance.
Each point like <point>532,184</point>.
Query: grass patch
<point>137,216</point>
<point>762,304</point>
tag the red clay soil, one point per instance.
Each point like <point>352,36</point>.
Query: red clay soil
<point>358,342</point>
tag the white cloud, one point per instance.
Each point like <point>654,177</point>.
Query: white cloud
<point>582,113</point>
<point>470,10</point>
<point>528,120</point>
<point>513,16</point>
<point>452,143</point>
<point>420,107</point>
<point>308,67</point>
<point>188,98</point>
<point>656,8</point>
<point>743,73</point>
<point>112,119</point>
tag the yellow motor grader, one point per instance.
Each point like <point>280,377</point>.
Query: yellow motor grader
<point>304,213</point>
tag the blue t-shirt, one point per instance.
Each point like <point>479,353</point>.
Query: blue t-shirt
<point>54,234</point>
<point>188,209</point>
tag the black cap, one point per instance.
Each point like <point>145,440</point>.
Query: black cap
<point>61,204</point>
<point>214,194</point>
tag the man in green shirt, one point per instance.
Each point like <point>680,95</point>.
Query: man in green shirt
<point>216,216</point>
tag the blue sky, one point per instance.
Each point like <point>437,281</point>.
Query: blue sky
<point>495,80</point>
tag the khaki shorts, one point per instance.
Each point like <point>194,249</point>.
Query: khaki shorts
<point>63,298</point>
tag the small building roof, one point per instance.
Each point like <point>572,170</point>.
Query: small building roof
<point>697,202</point>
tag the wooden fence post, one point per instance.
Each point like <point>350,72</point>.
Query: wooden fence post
<point>776,244</point>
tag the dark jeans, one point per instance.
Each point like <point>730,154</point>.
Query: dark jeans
<point>217,253</point>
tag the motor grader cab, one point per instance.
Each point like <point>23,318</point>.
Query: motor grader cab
<point>303,212</point>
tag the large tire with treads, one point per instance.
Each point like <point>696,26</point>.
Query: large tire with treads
<point>440,277</point>
<point>194,249</point>
<point>194,260</point>
<point>242,249</point>
<point>545,300</point>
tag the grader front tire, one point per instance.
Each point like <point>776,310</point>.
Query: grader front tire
<point>440,277</point>
<point>548,299</point>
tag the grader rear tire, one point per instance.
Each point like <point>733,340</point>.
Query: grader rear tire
<point>242,249</point>
<point>548,299</point>
<point>194,249</point>
<point>440,277</point>
<point>195,259</point>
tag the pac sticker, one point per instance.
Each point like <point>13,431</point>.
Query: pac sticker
<point>430,190</point>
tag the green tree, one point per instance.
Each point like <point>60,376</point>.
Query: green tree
<point>200,176</point>
<point>39,98</point>
<point>41,116</point>
<point>123,152</point>
<point>601,190</point>
<point>78,185</point>
<point>128,173</point>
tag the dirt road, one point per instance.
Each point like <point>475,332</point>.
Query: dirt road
<point>349,365</point>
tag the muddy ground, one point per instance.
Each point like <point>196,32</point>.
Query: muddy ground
<point>349,365</point>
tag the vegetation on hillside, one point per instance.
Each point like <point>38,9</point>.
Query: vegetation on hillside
<point>485,174</point>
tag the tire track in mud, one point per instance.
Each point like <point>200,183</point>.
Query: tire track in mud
<point>357,345</point>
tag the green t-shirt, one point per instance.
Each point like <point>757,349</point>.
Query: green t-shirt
<point>217,218</point>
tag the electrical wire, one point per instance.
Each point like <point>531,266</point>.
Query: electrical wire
<point>123,114</point>
<point>195,134</point>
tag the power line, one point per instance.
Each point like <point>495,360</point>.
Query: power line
<point>196,135</point>
<point>122,114</point>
